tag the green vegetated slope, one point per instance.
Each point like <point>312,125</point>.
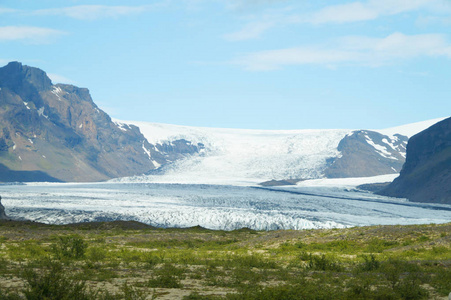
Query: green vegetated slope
<point>129,260</point>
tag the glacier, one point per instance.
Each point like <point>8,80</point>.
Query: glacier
<point>240,156</point>
<point>248,157</point>
<point>314,204</point>
<point>217,188</point>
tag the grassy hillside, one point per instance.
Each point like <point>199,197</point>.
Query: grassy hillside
<point>129,260</point>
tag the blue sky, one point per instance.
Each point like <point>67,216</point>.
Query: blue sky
<point>263,64</point>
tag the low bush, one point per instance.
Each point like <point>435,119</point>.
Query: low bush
<point>323,263</point>
<point>69,247</point>
<point>52,283</point>
<point>370,263</point>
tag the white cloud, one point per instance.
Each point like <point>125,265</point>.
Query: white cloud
<point>360,50</point>
<point>4,10</point>
<point>250,31</point>
<point>344,13</point>
<point>27,33</point>
<point>93,12</point>
<point>357,11</point>
<point>250,4</point>
<point>364,11</point>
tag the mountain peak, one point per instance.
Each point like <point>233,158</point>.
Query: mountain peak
<point>15,75</point>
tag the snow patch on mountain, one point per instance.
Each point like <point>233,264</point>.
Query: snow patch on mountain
<point>379,148</point>
<point>57,91</point>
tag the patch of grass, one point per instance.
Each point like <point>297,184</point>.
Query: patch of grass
<point>340,246</point>
<point>377,245</point>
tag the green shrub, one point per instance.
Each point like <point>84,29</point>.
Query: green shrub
<point>70,246</point>
<point>441,281</point>
<point>409,287</point>
<point>323,263</point>
<point>168,276</point>
<point>151,260</point>
<point>96,254</point>
<point>370,263</point>
<point>128,292</point>
<point>377,245</point>
<point>252,261</point>
<point>52,284</point>
<point>423,238</point>
<point>304,290</point>
<point>164,281</point>
<point>9,295</point>
<point>197,296</point>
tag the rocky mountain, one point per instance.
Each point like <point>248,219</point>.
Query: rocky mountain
<point>57,133</point>
<point>426,174</point>
<point>366,153</point>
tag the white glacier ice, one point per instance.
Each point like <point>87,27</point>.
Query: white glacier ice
<point>247,157</point>
<point>242,157</point>
<point>216,207</point>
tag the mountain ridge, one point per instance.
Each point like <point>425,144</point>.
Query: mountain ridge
<point>59,131</point>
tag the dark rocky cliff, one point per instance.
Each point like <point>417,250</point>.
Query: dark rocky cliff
<point>426,175</point>
<point>57,133</point>
<point>2,211</point>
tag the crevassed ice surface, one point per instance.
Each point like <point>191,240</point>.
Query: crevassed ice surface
<point>239,156</point>
<point>214,206</point>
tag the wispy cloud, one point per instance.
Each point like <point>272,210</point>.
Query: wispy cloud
<point>364,11</point>
<point>29,34</point>
<point>243,5</point>
<point>93,12</point>
<point>360,50</point>
<point>4,10</point>
<point>250,31</point>
<point>357,11</point>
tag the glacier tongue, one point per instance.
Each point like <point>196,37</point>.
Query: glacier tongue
<point>238,156</point>
<point>313,205</point>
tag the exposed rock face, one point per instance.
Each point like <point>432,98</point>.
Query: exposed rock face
<point>57,133</point>
<point>367,153</point>
<point>2,211</point>
<point>426,175</point>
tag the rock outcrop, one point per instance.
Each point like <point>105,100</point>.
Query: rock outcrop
<point>426,175</point>
<point>366,153</point>
<point>2,211</point>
